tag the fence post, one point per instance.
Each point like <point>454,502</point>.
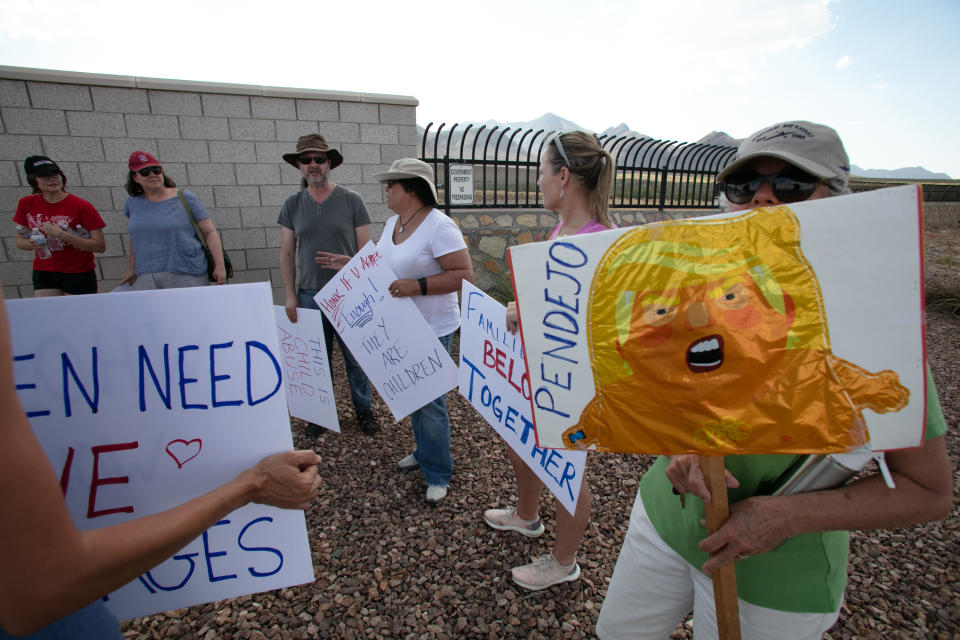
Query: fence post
<point>446,184</point>
<point>663,189</point>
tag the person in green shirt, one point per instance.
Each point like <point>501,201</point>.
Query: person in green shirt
<point>790,550</point>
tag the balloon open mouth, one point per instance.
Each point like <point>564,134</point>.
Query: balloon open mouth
<point>706,354</point>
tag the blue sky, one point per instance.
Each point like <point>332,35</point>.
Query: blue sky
<point>883,72</point>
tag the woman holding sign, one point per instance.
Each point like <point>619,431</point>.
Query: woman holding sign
<point>426,250</point>
<point>576,176</point>
<point>790,551</point>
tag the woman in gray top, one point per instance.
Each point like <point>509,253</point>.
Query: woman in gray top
<point>164,250</point>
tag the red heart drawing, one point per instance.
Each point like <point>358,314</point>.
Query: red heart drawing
<point>184,448</point>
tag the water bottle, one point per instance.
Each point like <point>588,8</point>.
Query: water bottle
<point>826,471</point>
<point>22,231</point>
<point>83,233</point>
<point>43,251</point>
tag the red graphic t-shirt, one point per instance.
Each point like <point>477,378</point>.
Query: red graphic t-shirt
<point>33,211</point>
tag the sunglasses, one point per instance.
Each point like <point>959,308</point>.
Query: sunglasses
<point>148,170</point>
<point>563,153</point>
<point>790,184</point>
<point>306,160</point>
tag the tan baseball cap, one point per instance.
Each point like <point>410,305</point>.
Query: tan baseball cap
<point>815,148</point>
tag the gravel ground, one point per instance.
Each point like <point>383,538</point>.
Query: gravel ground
<point>388,566</point>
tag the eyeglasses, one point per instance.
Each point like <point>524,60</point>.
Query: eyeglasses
<point>148,170</point>
<point>790,184</point>
<point>390,183</point>
<point>306,160</point>
<point>563,154</point>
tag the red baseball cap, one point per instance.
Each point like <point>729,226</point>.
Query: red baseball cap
<point>140,159</point>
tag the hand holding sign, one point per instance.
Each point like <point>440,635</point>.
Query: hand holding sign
<point>288,480</point>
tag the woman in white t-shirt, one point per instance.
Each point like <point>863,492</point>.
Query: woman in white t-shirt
<point>426,250</point>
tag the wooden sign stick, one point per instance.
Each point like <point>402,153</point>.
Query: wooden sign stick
<point>724,578</point>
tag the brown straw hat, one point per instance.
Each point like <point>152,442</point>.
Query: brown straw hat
<point>314,142</point>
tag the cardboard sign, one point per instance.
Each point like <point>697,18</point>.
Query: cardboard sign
<point>306,369</point>
<point>144,400</point>
<point>388,336</point>
<point>784,330</point>
<point>493,379</point>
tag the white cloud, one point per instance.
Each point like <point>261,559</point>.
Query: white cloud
<point>879,86</point>
<point>596,63</point>
<point>844,62</point>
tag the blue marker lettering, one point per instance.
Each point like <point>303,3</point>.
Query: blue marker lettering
<point>186,556</point>
<point>94,402</point>
<point>276,365</point>
<point>29,385</point>
<point>165,392</point>
<point>276,552</point>
<point>184,381</point>
<point>214,378</point>
<point>207,554</point>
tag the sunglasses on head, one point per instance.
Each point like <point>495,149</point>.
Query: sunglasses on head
<point>563,153</point>
<point>305,160</point>
<point>148,170</point>
<point>790,184</point>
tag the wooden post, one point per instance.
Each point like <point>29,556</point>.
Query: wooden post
<point>724,578</point>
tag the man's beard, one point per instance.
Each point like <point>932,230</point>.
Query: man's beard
<point>317,181</point>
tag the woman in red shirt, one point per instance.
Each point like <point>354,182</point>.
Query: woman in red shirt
<point>64,231</point>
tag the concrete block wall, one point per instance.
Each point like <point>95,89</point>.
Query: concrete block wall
<point>223,142</point>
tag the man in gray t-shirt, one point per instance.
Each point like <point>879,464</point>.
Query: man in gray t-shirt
<point>322,216</point>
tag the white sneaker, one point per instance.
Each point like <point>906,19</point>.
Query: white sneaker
<point>436,493</point>
<point>508,520</point>
<point>544,572</point>
<point>409,463</point>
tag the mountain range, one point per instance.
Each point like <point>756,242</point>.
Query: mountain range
<point>553,122</point>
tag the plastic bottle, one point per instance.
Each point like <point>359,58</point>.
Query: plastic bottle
<point>43,251</point>
<point>83,233</point>
<point>22,231</point>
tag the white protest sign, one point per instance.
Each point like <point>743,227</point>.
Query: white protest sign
<point>306,370</point>
<point>493,379</point>
<point>388,336</point>
<point>461,184</point>
<point>751,332</point>
<point>144,400</point>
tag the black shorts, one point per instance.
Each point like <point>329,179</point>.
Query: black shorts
<point>73,283</point>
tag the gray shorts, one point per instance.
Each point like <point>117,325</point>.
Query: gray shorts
<point>164,280</point>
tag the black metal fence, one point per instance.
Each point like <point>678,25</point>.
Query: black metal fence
<point>501,165</point>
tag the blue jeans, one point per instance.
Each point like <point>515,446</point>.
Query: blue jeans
<point>359,385</point>
<point>93,622</point>
<point>431,429</point>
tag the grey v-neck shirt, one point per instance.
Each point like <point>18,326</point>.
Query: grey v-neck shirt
<point>328,226</point>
